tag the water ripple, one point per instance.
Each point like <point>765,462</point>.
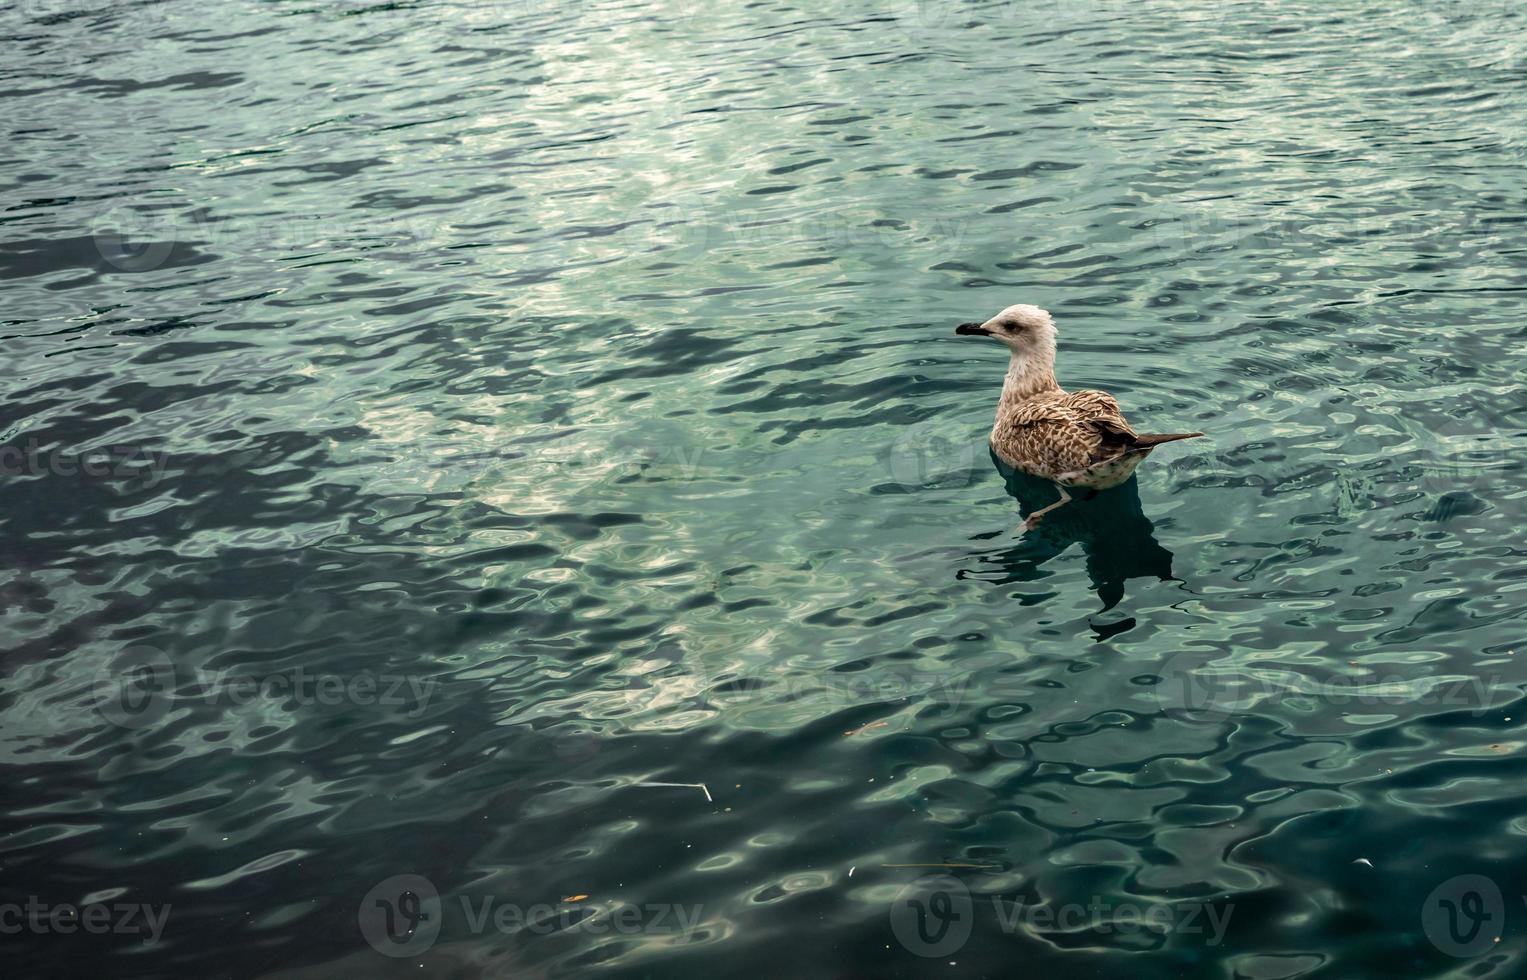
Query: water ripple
<point>520,447</point>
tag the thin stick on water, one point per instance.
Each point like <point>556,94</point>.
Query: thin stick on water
<point>698,786</point>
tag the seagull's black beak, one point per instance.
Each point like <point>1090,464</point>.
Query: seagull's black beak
<point>972,330</point>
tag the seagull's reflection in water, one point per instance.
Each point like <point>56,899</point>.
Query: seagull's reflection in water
<point>1116,536</point>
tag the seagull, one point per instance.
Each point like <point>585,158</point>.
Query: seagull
<point>1072,439</point>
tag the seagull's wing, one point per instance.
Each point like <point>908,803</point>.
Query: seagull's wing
<point>1050,436</point>
<point>1099,410</point>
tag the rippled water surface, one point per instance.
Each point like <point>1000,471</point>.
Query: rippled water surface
<point>431,425</point>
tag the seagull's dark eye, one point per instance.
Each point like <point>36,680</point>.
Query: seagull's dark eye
<point>1013,325</point>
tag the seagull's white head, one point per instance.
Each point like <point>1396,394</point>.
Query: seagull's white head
<point>1027,330</point>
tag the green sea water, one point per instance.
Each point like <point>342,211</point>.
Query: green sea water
<point>491,489</point>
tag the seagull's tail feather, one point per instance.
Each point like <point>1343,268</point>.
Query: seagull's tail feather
<point>1151,439</point>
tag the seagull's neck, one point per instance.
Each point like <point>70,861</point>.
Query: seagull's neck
<point>1027,377</point>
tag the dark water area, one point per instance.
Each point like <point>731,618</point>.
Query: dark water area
<point>491,490</point>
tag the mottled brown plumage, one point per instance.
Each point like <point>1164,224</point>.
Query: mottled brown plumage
<point>1074,439</point>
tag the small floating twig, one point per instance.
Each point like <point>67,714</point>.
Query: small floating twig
<point>698,786</point>
<point>864,728</point>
